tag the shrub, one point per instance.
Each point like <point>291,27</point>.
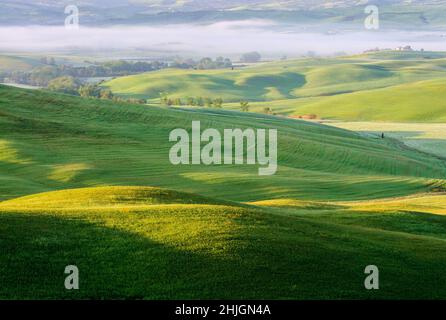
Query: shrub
<point>244,106</point>
<point>64,84</point>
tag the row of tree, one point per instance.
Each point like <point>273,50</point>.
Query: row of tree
<point>94,91</point>
<point>206,102</point>
<point>42,75</point>
<point>202,64</point>
<point>251,57</point>
<point>218,63</point>
<point>70,85</point>
<point>190,101</point>
<point>49,70</point>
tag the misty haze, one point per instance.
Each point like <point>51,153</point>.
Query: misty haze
<point>229,38</point>
<point>228,149</point>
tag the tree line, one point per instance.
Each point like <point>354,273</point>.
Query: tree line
<point>70,85</point>
<point>42,75</point>
<point>191,101</point>
<point>206,102</point>
<point>202,64</point>
<point>49,69</point>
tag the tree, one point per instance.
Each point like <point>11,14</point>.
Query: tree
<point>268,110</point>
<point>208,102</point>
<point>136,101</point>
<point>218,102</point>
<point>177,102</point>
<point>199,101</point>
<point>244,106</point>
<point>227,63</point>
<point>41,76</point>
<point>64,84</point>
<point>163,98</point>
<point>190,101</point>
<point>206,63</point>
<point>106,94</point>
<point>250,57</point>
<point>89,90</point>
<point>117,99</point>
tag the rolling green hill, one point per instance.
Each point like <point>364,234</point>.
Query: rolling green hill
<point>414,102</point>
<point>99,192</point>
<point>51,141</point>
<point>385,86</point>
<point>422,101</point>
<point>15,63</point>
<point>426,137</point>
<point>191,248</point>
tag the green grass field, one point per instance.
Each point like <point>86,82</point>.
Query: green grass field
<point>10,63</point>
<point>382,86</point>
<point>72,142</point>
<point>137,242</point>
<point>426,137</point>
<point>88,182</point>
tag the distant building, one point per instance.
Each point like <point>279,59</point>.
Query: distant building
<point>405,48</point>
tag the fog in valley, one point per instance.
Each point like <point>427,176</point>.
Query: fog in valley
<point>223,38</point>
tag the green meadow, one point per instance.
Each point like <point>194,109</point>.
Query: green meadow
<point>10,63</point>
<point>88,182</point>
<point>426,137</point>
<point>383,86</point>
<point>54,141</point>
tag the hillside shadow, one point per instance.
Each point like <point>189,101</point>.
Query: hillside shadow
<point>413,222</point>
<point>255,87</point>
<point>270,257</point>
<point>218,85</point>
<point>113,263</point>
<point>284,83</point>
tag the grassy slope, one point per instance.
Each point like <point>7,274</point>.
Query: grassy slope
<point>381,86</point>
<point>231,85</point>
<point>203,249</point>
<point>427,137</point>
<point>14,63</point>
<point>415,102</point>
<point>51,141</point>
<point>294,78</point>
<point>156,243</point>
